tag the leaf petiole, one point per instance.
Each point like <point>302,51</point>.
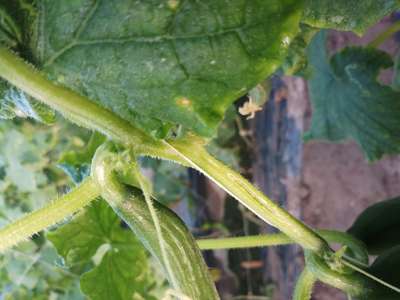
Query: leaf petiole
<point>383,36</point>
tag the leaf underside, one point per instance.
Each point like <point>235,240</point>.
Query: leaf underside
<point>159,63</point>
<point>348,101</point>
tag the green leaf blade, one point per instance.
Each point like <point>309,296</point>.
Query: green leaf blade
<point>349,102</point>
<point>111,279</point>
<point>157,64</point>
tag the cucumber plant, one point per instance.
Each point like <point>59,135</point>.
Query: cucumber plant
<point>155,78</point>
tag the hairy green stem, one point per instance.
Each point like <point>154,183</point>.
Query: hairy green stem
<point>383,36</point>
<point>49,215</point>
<point>77,108</point>
<point>304,285</point>
<point>242,190</point>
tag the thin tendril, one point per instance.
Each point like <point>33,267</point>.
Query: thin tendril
<point>388,285</point>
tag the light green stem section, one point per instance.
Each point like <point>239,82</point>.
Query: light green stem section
<point>242,190</point>
<point>382,37</point>
<point>304,285</point>
<point>274,239</point>
<point>277,239</point>
<point>47,216</point>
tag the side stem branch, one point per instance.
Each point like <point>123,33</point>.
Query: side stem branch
<point>47,216</point>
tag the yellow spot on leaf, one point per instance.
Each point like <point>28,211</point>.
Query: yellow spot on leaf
<point>173,4</point>
<point>184,102</point>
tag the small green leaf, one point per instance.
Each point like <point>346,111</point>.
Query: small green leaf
<point>378,226</point>
<point>349,15</point>
<point>163,63</point>
<point>348,101</point>
<point>117,262</point>
<point>76,164</point>
<point>296,61</point>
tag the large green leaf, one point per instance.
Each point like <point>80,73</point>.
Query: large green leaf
<point>117,262</point>
<point>348,101</point>
<point>378,226</point>
<point>76,164</point>
<point>351,15</point>
<point>158,63</point>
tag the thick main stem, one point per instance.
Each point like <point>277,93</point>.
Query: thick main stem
<point>49,215</point>
<point>242,190</point>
